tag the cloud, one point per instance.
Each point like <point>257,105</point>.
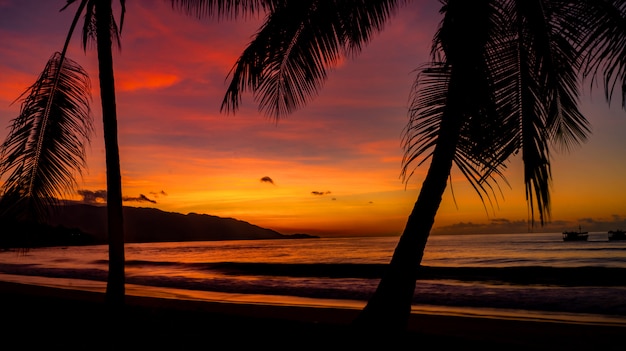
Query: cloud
<point>91,196</point>
<point>100,196</point>
<point>145,80</point>
<point>320,193</point>
<point>267,179</point>
<point>157,194</point>
<point>140,198</point>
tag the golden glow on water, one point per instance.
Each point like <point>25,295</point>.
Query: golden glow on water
<point>527,271</point>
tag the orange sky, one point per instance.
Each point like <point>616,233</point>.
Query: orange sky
<point>335,164</point>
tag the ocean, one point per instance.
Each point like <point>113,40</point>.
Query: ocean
<point>532,272</point>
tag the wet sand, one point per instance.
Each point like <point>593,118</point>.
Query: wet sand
<point>71,315</point>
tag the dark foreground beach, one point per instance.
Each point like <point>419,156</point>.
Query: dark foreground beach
<point>45,317</point>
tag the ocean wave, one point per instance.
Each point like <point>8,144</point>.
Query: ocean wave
<point>576,290</point>
<point>517,275</point>
<point>524,275</point>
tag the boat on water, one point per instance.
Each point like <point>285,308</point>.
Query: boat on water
<point>575,236</point>
<point>617,234</point>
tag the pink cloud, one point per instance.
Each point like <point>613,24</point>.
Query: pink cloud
<point>131,81</point>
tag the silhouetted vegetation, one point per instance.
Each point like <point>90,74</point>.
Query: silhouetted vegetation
<point>31,234</point>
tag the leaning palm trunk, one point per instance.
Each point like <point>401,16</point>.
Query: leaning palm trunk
<point>462,89</point>
<point>390,306</point>
<point>115,288</point>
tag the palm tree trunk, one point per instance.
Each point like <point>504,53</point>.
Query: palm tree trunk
<point>115,285</point>
<point>463,37</point>
<point>389,307</point>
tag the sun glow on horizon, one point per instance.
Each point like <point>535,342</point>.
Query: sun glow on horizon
<point>335,164</point>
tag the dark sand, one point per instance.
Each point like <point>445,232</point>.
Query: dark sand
<point>40,317</point>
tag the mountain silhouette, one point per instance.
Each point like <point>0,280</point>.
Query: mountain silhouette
<point>154,225</point>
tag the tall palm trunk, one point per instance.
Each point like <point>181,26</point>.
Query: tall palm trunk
<point>390,306</point>
<point>115,285</point>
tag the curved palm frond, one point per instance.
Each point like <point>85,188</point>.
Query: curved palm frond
<point>90,26</point>
<point>600,27</point>
<point>362,18</point>
<point>46,144</point>
<point>481,146</point>
<point>557,60</point>
<point>287,62</point>
<point>229,9</point>
<point>521,94</point>
<point>529,109</point>
<point>474,157</point>
<point>427,105</point>
<point>548,85</point>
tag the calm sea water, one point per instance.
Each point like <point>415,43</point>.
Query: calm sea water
<point>520,271</point>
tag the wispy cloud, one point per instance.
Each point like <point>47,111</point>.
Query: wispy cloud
<point>100,196</point>
<point>157,194</point>
<point>320,193</point>
<point>140,198</point>
<point>93,196</point>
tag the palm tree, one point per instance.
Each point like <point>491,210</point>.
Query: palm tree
<point>45,147</point>
<point>504,79</point>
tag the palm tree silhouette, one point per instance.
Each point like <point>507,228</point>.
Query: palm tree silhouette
<point>504,79</point>
<point>54,125</point>
<point>45,147</point>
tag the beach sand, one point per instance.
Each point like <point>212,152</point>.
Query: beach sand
<point>49,316</point>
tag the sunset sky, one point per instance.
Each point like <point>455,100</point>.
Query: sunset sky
<point>334,165</point>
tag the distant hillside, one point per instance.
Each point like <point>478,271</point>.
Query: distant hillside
<point>153,225</point>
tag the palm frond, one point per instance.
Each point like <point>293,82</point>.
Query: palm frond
<point>287,62</point>
<point>228,9</point>
<point>474,159</point>
<point>429,98</point>
<point>551,57</point>
<point>362,18</point>
<point>599,26</point>
<point>45,147</point>
<point>460,88</point>
<point>525,99</point>
<point>89,25</point>
<point>560,60</point>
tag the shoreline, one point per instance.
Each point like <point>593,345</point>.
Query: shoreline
<point>134,291</point>
<point>165,317</point>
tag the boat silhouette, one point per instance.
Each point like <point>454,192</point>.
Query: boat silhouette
<point>617,234</point>
<point>575,235</point>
